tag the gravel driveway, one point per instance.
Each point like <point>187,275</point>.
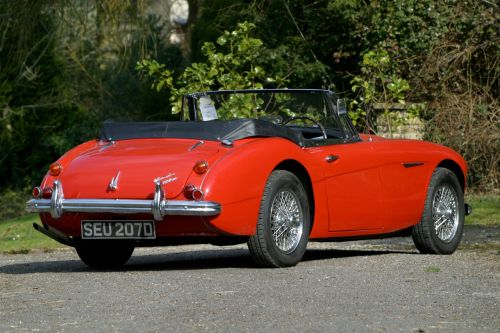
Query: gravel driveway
<point>377,286</point>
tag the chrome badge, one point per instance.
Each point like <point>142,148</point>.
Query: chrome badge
<point>113,184</point>
<point>171,177</point>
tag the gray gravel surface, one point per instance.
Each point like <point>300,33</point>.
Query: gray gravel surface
<point>369,286</point>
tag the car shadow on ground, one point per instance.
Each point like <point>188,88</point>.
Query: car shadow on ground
<point>188,260</point>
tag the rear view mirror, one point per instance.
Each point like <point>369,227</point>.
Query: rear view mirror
<point>341,106</point>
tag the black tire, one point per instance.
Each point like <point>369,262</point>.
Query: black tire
<point>285,187</point>
<point>103,254</point>
<point>441,227</point>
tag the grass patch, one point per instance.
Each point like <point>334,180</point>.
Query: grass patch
<point>18,236</point>
<point>485,210</point>
<point>432,269</point>
<point>484,246</point>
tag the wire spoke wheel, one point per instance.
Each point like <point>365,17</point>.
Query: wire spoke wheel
<point>445,215</point>
<point>286,221</point>
<point>441,226</point>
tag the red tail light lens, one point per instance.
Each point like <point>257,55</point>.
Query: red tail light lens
<point>197,194</point>
<point>55,169</point>
<point>200,167</point>
<point>37,192</point>
<point>188,191</point>
<point>192,193</point>
<point>47,193</point>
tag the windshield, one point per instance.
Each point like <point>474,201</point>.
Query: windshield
<point>291,107</point>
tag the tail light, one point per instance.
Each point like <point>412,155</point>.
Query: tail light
<point>197,194</point>
<point>37,192</point>
<point>55,169</point>
<point>192,192</point>
<point>47,192</point>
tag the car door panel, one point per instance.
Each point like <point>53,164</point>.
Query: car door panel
<point>353,186</point>
<point>404,177</point>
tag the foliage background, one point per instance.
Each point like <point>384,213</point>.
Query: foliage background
<point>67,65</point>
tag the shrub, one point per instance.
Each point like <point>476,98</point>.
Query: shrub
<point>12,204</point>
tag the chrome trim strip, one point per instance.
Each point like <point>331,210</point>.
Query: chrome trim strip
<point>412,164</point>
<point>158,207</point>
<point>108,145</point>
<point>196,145</point>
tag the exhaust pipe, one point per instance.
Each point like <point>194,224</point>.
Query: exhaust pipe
<point>55,235</point>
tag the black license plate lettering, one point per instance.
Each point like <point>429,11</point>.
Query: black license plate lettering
<point>118,229</point>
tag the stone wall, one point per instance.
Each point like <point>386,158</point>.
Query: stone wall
<point>393,121</point>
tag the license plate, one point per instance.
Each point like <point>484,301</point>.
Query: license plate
<point>117,229</point>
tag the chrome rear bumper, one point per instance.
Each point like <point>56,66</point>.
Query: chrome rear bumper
<point>159,207</point>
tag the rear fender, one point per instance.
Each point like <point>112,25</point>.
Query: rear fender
<point>237,181</point>
<point>68,157</point>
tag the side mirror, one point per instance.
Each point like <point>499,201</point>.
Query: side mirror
<point>341,106</point>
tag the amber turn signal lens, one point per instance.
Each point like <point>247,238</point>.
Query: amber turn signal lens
<point>37,192</point>
<point>47,193</point>
<point>200,167</point>
<point>55,169</point>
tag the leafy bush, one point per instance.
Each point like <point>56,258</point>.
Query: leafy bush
<point>379,86</point>
<point>65,67</point>
<point>460,79</point>
<point>13,203</point>
<point>237,61</point>
<point>470,125</point>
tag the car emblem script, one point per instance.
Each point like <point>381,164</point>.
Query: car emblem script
<point>113,184</point>
<point>171,177</point>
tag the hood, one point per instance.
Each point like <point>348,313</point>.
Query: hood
<point>133,166</point>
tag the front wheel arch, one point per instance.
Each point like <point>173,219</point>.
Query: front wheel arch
<point>456,169</point>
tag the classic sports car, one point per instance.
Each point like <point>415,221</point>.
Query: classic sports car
<point>273,168</point>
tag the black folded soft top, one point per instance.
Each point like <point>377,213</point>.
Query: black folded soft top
<point>206,130</point>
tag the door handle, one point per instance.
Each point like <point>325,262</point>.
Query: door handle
<point>331,158</point>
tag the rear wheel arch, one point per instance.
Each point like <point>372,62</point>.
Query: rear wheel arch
<point>302,174</point>
<point>456,169</point>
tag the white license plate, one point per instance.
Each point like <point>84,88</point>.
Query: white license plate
<point>116,229</point>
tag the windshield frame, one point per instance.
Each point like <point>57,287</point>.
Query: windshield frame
<point>189,106</point>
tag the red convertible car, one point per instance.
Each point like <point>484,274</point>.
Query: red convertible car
<point>272,168</point>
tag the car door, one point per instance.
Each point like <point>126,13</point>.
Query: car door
<point>354,189</point>
<point>404,176</point>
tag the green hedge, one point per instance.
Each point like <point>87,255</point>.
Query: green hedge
<point>13,203</point>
